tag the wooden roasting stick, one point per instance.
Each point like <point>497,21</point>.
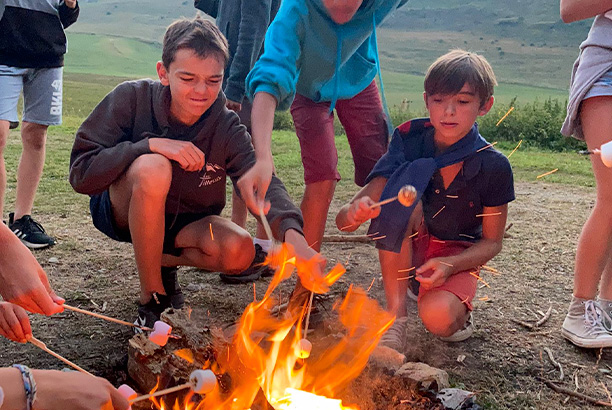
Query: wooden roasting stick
<point>104,317</point>
<point>44,347</point>
<point>406,196</point>
<point>162,392</point>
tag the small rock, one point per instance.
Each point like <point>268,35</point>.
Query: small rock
<point>457,399</point>
<point>102,270</point>
<point>53,260</point>
<point>387,358</point>
<point>194,287</point>
<point>461,358</point>
<point>425,375</point>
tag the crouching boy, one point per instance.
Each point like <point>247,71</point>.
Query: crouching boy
<point>457,222</point>
<point>154,157</point>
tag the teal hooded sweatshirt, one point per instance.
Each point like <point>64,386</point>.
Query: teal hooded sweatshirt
<point>306,52</point>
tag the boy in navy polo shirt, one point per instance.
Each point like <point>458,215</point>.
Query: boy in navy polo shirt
<point>457,222</point>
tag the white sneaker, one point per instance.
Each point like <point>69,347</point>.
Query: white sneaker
<point>462,334</point>
<point>583,325</point>
<point>606,313</point>
<point>396,335</point>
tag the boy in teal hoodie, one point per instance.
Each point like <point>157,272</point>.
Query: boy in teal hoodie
<point>319,55</point>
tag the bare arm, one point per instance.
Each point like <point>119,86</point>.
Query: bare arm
<point>254,183</point>
<point>356,212</point>
<point>574,10</point>
<point>480,253</point>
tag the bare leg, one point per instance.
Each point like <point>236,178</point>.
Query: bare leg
<point>229,249</point>
<point>139,200</point>
<point>395,290</point>
<point>240,214</point>
<point>4,133</point>
<point>315,206</point>
<point>594,245</point>
<point>31,163</point>
<point>442,312</point>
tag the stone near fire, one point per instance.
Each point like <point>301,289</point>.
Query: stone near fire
<point>425,375</point>
<point>386,358</point>
<point>457,398</point>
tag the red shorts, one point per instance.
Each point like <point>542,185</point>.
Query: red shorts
<point>366,129</point>
<point>462,284</point>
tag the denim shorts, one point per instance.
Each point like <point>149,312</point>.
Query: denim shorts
<point>601,87</point>
<point>42,94</point>
<point>102,215</point>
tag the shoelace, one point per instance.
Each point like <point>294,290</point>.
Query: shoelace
<point>593,319</point>
<point>35,224</point>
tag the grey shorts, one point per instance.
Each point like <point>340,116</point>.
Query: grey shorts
<point>42,94</point>
<point>601,87</point>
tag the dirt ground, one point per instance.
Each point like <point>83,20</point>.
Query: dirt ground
<point>504,363</point>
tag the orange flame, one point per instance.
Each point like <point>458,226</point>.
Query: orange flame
<point>264,354</point>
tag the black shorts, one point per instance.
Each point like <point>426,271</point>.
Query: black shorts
<point>102,216</point>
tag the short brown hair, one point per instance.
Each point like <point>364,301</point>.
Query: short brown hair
<point>197,34</point>
<point>449,73</point>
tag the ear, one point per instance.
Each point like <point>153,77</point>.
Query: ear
<point>162,73</point>
<point>486,106</point>
<point>425,99</point>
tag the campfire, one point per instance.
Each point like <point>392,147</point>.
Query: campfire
<point>262,366</point>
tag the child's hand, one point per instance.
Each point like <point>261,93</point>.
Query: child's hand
<point>360,211</point>
<point>14,322</point>
<point>188,156</point>
<point>434,273</point>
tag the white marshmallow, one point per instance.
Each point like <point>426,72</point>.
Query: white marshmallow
<point>162,327</point>
<point>407,195</point>
<point>606,154</point>
<point>303,348</point>
<point>202,381</point>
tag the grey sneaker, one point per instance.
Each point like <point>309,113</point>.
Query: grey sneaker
<point>462,334</point>
<point>395,337</point>
<point>583,325</point>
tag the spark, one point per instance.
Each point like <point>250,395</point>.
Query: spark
<point>452,196</point>
<point>373,234</point>
<point>504,117</point>
<point>438,241</point>
<point>487,146</point>
<point>490,269</point>
<point>347,226</point>
<point>492,214</point>
<point>413,235</point>
<point>406,277</point>
<point>349,257</point>
<point>211,232</point>
<point>466,235</point>
<point>436,214</point>
<point>517,147</point>
<point>547,173</point>
<point>465,300</point>
<point>477,276</point>
<point>446,263</point>
<point>254,293</point>
<point>407,270</point>
<point>483,299</point>
<point>371,284</point>
<point>379,237</point>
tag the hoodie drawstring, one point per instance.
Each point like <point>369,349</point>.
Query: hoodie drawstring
<point>337,71</point>
<point>380,80</point>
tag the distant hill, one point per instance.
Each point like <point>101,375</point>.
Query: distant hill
<point>525,40</point>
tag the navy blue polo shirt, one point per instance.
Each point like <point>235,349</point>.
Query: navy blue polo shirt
<point>450,214</point>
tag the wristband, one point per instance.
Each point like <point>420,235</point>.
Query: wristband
<point>28,384</point>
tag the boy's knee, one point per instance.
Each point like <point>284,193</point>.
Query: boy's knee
<point>237,252</point>
<point>438,316</point>
<point>151,174</point>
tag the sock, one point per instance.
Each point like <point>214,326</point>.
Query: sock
<point>265,244</point>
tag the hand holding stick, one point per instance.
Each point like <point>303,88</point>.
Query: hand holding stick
<point>200,381</point>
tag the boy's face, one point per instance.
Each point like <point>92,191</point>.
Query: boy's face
<point>342,11</point>
<point>453,115</point>
<point>194,83</point>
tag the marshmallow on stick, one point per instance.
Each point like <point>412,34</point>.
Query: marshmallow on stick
<point>200,381</point>
<point>605,152</point>
<point>406,196</point>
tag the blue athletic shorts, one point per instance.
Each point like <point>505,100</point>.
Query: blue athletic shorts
<point>102,215</point>
<point>601,87</point>
<point>42,94</point>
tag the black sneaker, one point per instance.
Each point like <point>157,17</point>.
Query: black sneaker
<point>172,287</point>
<point>30,232</point>
<point>253,272</point>
<point>150,312</point>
